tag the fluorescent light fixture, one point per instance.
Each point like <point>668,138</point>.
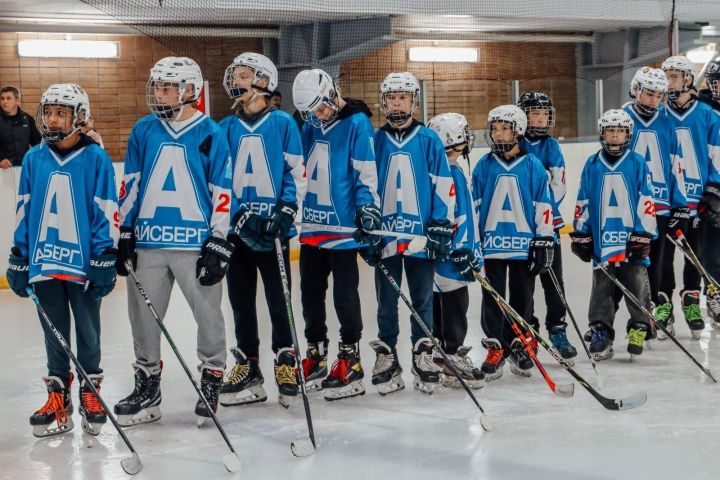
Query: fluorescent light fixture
<point>443,54</point>
<point>701,55</point>
<point>68,49</point>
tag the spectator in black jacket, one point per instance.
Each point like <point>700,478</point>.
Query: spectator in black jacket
<point>17,129</point>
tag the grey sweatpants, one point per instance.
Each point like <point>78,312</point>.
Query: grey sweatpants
<point>157,271</point>
<point>603,305</point>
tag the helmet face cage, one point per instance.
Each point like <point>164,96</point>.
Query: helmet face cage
<point>687,85</point>
<point>540,132</point>
<point>330,103</point>
<point>50,135</point>
<point>644,109</point>
<point>235,91</point>
<point>712,77</point>
<point>714,85</point>
<point>165,111</point>
<point>616,148</point>
<point>399,118</point>
<point>616,119</point>
<point>501,147</point>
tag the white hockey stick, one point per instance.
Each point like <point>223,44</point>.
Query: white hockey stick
<point>417,242</point>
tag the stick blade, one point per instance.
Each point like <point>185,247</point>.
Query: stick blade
<point>485,423</point>
<point>232,462</point>
<point>302,447</point>
<point>131,465</point>
<point>566,390</point>
<point>633,401</point>
<point>417,244</point>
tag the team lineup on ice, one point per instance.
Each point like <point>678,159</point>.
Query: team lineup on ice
<point>202,201</point>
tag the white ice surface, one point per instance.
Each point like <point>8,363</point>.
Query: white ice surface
<point>676,435</point>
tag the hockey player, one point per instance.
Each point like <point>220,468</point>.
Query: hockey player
<point>417,197</point>
<point>175,208</point>
<point>540,114</point>
<point>341,191</point>
<point>615,223</point>
<point>698,131</point>
<point>65,248</point>
<point>512,195</point>
<point>452,275</point>
<point>711,94</point>
<point>655,140</point>
<point>268,185</point>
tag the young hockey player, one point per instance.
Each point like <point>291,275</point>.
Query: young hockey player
<point>452,275</point>
<point>268,185</point>
<point>512,195</point>
<point>175,207</point>
<point>698,131</point>
<point>417,197</point>
<point>341,191</point>
<point>711,94</point>
<point>540,114</point>
<point>615,223</point>
<point>64,246</point>
<point>654,139</point>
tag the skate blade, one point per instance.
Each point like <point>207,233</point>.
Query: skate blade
<point>245,397</point>
<point>312,386</point>
<point>520,372</point>
<point>696,334</point>
<point>286,400</point>
<point>427,388</point>
<point>352,389</point>
<point>302,447</point>
<point>489,377</point>
<point>451,381</point>
<point>232,462</point>
<point>601,356</point>
<point>131,465</point>
<point>146,415</point>
<point>42,431</point>
<point>91,428</point>
<point>395,384</point>
<point>716,325</point>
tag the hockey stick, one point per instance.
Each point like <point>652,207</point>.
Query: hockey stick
<point>564,301</point>
<point>231,460</point>
<point>634,300</point>
<point>417,242</point>
<point>300,447</point>
<point>484,419</point>
<point>131,465</point>
<point>633,401</point>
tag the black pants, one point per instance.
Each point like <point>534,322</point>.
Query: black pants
<point>658,258</point>
<point>316,264</point>
<point>58,297</point>
<point>521,284</point>
<point>450,318</point>
<point>555,315</point>
<point>242,291</point>
<point>605,296</point>
<point>691,277</point>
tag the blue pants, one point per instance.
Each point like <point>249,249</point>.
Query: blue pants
<point>419,272</point>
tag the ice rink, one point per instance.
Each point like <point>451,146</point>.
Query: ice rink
<point>407,435</point>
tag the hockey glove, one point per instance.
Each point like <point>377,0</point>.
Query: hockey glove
<point>126,251</point>
<point>439,240</point>
<point>709,208</point>
<point>101,277</point>
<point>367,217</point>
<point>18,275</point>
<point>638,247</point>
<point>679,220</point>
<point>281,220</point>
<point>582,245</point>
<point>541,255</point>
<point>214,260</point>
<point>713,302</point>
<point>250,227</point>
<point>466,262</point>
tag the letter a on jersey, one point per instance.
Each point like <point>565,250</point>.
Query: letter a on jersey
<point>506,205</point>
<point>252,169</point>
<point>400,192</point>
<point>57,238</point>
<point>615,201</point>
<point>649,148</point>
<point>318,173</point>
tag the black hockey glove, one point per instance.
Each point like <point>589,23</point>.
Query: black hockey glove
<point>281,220</point>
<point>101,277</point>
<point>709,208</point>
<point>466,262</point>
<point>214,260</point>
<point>638,247</point>
<point>18,275</point>
<point>679,220</point>
<point>250,228</point>
<point>582,245</point>
<point>541,254</point>
<point>439,239</point>
<point>126,251</point>
<point>367,217</point>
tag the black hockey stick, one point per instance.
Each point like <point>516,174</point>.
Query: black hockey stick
<point>131,465</point>
<point>682,243</point>
<point>300,447</point>
<point>626,403</point>
<point>231,460</point>
<point>564,301</point>
<point>484,420</point>
<point>634,300</point>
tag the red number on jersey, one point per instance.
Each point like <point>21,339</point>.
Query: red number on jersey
<point>224,203</point>
<point>578,211</point>
<point>546,216</point>
<point>452,190</point>
<point>649,208</point>
<point>122,190</point>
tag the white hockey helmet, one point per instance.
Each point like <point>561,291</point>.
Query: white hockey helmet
<point>399,82</point>
<point>615,118</point>
<point>452,128</point>
<point>262,67</point>
<point>313,89</point>
<point>647,78</point>
<point>511,114</point>
<point>683,64</point>
<point>65,94</point>
<point>181,71</point>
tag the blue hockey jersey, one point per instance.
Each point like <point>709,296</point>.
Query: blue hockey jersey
<point>513,203</point>
<point>341,176</point>
<point>414,184</point>
<point>176,191</point>
<point>615,200</point>
<point>655,140</point>
<point>267,162</point>
<point>465,234</point>
<point>547,150</point>
<point>698,132</point>
<point>67,211</point>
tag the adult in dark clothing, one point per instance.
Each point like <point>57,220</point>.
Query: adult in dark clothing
<point>17,129</point>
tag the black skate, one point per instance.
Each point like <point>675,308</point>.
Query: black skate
<point>426,372</point>
<point>636,338</point>
<point>93,415</point>
<point>54,417</point>
<point>520,362</point>
<point>143,404</point>
<point>558,337</point>
<point>387,373</point>
<point>315,366</point>
<point>346,374</point>
<point>472,375</point>
<point>601,343</point>
<point>210,383</point>
<point>285,376</point>
<point>691,311</point>
<point>244,383</point>
<point>492,367</point>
